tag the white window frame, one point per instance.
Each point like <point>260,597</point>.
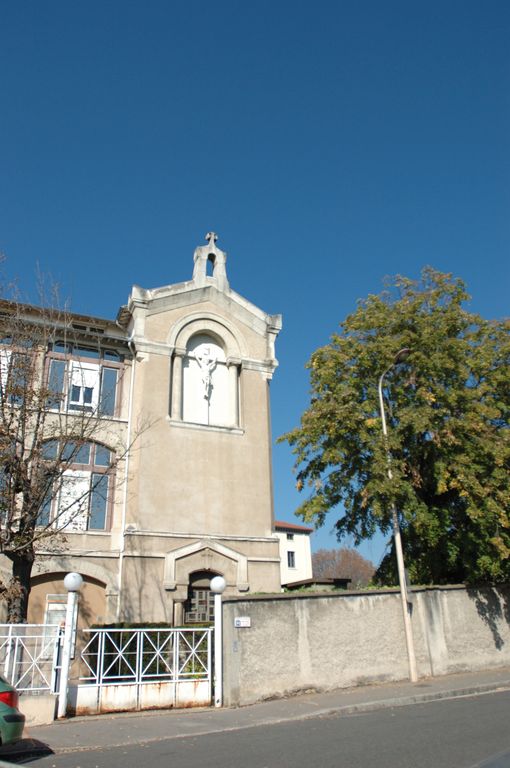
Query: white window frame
<point>85,376</point>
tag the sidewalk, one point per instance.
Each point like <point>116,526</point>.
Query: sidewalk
<point>83,733</point>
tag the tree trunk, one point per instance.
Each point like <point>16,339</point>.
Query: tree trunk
<point>18,591</point>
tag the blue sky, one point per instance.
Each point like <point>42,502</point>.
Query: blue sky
<point>329,144</point>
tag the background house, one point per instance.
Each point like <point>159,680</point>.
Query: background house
<point>295,552</point>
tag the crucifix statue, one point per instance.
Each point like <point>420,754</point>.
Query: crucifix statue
<point>207,363</point>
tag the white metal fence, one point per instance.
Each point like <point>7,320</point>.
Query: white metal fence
<point>144,668</point>
<point>114,669</point>
<point>29,655</point>
<point>144,655</point>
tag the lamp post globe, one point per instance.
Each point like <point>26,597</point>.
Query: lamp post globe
<point>73,582</point>
<point>218,585</point>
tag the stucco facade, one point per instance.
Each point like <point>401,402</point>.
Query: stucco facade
<point>303,642</point>
<point>192,492</point>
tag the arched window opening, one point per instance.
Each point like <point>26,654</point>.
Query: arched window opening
<point>211,263</point>
<point>80,498</point>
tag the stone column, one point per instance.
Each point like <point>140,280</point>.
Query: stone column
<point>176,408</point>
<point>233,391</point>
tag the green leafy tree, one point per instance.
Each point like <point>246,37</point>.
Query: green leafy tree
<point>449,439</point>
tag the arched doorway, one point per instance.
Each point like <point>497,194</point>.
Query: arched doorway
<point>199,606</point>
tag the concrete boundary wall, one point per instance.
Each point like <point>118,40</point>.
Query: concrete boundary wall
<point>322,642</point>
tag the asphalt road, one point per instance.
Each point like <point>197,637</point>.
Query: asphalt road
<point>456,733</point>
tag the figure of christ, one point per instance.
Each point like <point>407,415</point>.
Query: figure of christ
<point>207,363</point>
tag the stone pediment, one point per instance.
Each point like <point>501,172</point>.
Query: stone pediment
<point>160,300</point>
<point>212,556</point>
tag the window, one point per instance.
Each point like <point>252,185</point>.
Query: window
<point>55,613</point>
<point>83,379</point>
<point>5,368</point>
<point>16,374</point>
<point>199,607</point>
<point>12,474</point>
<point>291,559</point>
<point>290,537</point>
<point>81,499</point>
<point>83,387</point>
<point>56,607</point>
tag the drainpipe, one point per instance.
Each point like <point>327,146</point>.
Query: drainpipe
<point>126,472</point>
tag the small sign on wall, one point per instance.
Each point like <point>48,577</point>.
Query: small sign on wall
<point>242,621</point>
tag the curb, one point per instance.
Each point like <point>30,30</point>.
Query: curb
<point>403,701</point>
<point>35,748</point>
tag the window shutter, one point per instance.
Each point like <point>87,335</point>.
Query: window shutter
<point>73,501</point>
<point>5,360</point>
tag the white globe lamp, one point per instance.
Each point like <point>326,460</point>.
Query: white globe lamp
<point>73,582</point>
<point>218,585</point>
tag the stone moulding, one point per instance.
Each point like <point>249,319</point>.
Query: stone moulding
<point>169,577</point>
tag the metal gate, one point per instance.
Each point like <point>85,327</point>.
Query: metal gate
<point>29,655</point>
<point>134,669</point>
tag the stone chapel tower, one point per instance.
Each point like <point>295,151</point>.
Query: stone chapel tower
<point>199,494</point>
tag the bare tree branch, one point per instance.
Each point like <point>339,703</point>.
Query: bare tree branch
<point>61,446</point>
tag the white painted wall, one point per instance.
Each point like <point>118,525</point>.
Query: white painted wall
<point>298,543</point>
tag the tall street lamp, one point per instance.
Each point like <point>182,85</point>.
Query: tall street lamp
<point>72,583</point>
<point>406,608</point>
<point>217,586</point>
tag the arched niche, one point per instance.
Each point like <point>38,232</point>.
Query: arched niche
<point>232,340</point>
<point>206,393</point>
<point>205,378</point>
